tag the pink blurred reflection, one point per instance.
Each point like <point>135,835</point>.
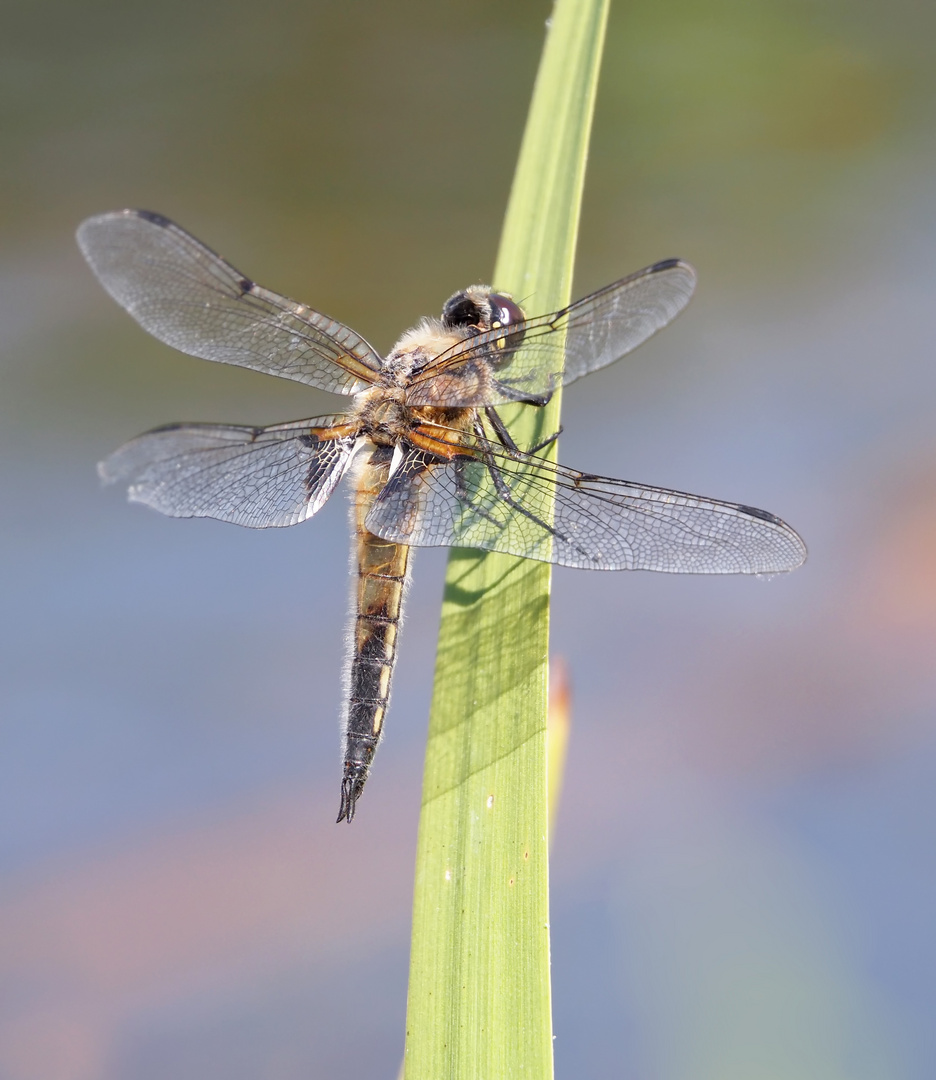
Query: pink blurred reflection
<point>89,944</point>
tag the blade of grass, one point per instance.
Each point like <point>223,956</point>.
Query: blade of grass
<point>479,993</point>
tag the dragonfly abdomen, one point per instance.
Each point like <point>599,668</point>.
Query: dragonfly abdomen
<point>381,578</point>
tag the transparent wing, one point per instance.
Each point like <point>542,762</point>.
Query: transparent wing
<point>503,504</point>
<point>557,349</point>
<point>257,477</point>
<point>190,298</point>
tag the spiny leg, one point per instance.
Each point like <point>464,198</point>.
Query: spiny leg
<point>503,435</point>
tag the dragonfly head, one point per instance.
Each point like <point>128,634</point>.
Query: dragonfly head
<point>478,310</point>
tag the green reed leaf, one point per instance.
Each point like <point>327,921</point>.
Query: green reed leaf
<point>479,993</point>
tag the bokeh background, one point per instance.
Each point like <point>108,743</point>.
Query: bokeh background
<point>744,876</point>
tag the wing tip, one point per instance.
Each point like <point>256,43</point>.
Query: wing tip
<point>673,264</point>
<point>106,474</point>
<point>795,552</point>
<point>764,515</point>
<point>151,216</point>
<point>84,230</point>
<point>801,551</point>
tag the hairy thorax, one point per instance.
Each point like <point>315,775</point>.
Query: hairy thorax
<point>384,417</point>
<point>382,411</point>
<point>382,414</point>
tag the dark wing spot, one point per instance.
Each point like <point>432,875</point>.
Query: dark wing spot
<point>752,511</point>
<point>664,264</point>
<point>245,285</point>
<point>151,215</point>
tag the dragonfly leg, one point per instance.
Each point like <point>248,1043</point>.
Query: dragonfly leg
<point>504,437</point>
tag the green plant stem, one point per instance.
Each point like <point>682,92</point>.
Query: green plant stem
<point>479,994</point>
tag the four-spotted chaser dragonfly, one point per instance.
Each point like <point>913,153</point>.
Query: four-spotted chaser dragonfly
<point>431,460</point>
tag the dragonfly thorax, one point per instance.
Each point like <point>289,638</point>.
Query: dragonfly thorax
<point>382,413</point>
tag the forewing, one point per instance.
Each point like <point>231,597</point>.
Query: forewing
<point>557,349</point>
<point>503,504</point>
<point>190,298</point>
<point>259,477</point>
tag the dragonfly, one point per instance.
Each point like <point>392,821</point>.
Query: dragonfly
<point>430,460</point>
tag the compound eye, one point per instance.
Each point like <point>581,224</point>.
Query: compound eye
<point>503,311</point>
<point>461,310</point>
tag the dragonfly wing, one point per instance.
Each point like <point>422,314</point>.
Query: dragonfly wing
<point>492,369</point>
<point>540,511</point>
<point>190,298</point>
<point>612,322</point>
<point>259,477</point>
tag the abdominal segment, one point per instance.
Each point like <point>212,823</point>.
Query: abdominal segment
<point>377,605</point>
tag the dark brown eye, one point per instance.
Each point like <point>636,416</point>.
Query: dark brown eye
<point>480,312</point>
<point>461,310</point>
<point>504,312</point>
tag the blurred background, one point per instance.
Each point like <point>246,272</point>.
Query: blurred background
<point>744,875</point>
